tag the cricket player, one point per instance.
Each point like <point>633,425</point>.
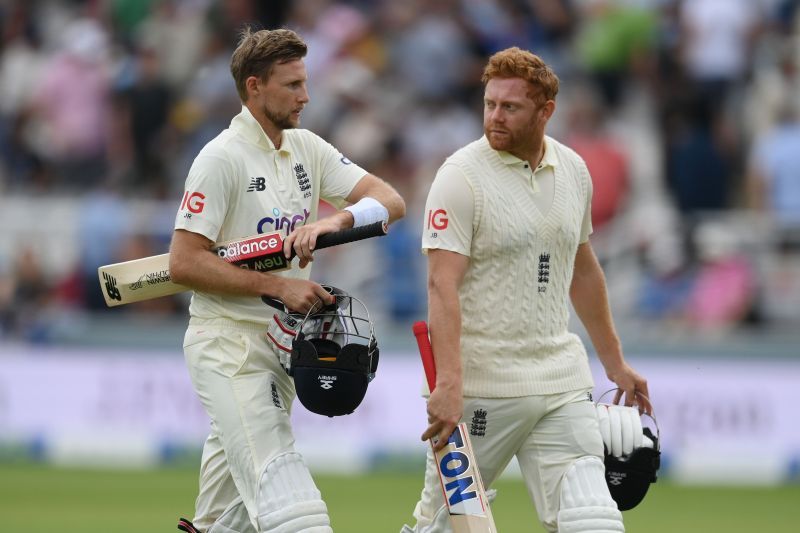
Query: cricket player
<point>506,231</point>
<point>260,175</point>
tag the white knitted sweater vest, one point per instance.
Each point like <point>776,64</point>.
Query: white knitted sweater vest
<point>514,297</point>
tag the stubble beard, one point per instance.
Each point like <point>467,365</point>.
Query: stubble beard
<point>281,121</point>
<point>516,143</point>
<point>503,143</point>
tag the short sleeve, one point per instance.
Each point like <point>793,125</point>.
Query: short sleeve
<point>339,175</point>
<point>206,196</point>
<point>586,224</point>
<point>449,212</point>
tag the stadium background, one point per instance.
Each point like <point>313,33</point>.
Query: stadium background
<point>685,111</point>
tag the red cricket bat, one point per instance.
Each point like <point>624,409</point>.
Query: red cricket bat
<point>458,470</point>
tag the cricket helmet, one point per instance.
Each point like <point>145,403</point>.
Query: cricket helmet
<point>629,475</point>
<point>334,355</point>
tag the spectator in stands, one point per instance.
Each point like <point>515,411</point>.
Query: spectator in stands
<point>21,59</point>
<point>723,292</point>
<point>72,105</point>
<point>144,103</point>
<point>717,43</point>
<point>698,171</point>
<point>604,156</point>
<point>774,177</point>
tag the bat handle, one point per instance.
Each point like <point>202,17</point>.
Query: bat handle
<point>274,302</point>
<point>420,330</point>
<point>376,229</point>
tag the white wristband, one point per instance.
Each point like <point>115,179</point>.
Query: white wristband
<point>366,211</point>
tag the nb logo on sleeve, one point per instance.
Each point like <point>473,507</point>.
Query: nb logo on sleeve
<point>257,184</point>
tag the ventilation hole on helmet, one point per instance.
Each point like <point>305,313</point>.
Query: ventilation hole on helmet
<point>327,350</point>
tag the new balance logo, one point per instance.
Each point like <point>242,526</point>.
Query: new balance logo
<point>257,184</point>
<point>111,287</point>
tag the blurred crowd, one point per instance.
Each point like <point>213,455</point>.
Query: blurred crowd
<point>686,112</point>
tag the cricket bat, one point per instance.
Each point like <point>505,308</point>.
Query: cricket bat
<point>148,278</point>
<point>458,470</point>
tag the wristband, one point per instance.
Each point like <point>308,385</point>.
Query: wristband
<point>368,211</point>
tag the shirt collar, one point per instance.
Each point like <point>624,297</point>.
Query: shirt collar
<point>246,125</point>
<point>549,159</point>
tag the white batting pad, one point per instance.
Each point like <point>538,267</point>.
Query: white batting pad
<point>586,504</point>
<point>288,499</point>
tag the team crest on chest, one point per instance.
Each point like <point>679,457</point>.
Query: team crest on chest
<point>302,180</point>
<point>544,271</point>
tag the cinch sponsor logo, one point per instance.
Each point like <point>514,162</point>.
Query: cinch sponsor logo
<point>437,219</point>
<point>193,201</point>
<point>277,222</point>
<point>455,466</point>
<point>249,248</point>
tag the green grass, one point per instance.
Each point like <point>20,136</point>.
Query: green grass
<point>41,499</point>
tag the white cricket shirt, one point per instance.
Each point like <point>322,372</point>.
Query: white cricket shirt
<point>241,185</point>
<point>520,229</point>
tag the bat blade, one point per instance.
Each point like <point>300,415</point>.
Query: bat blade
<point>149,277</point>
<point>137,280</point>
<point>462,487</point>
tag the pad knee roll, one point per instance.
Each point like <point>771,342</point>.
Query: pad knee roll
<point>586,504</point>
<point>288,499</point>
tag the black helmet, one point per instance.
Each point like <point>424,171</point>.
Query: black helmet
<point>629,477</point>
<point>629,473</point>
<point>334,355</point>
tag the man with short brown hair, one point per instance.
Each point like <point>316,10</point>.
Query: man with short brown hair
<point>261,175</point>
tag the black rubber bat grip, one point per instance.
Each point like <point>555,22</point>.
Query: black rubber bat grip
<point>344,236</point>
<point>376,229</point>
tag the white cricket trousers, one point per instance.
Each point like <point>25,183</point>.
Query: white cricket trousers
<point>546,433</point>
<point>248,395</point>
